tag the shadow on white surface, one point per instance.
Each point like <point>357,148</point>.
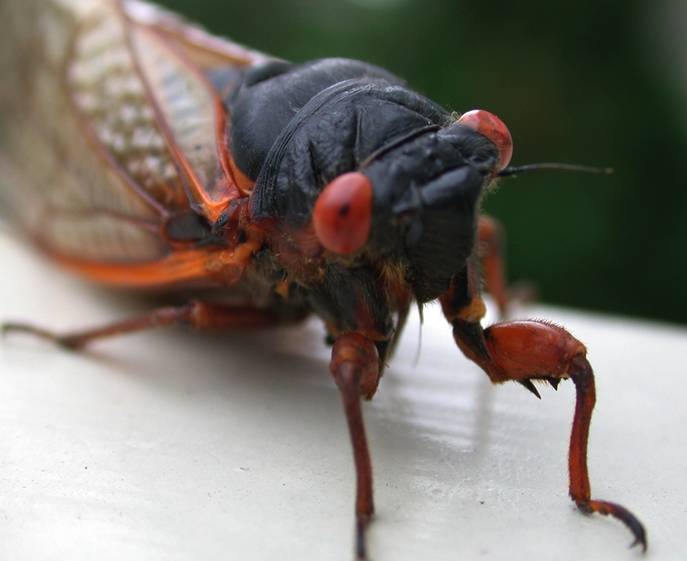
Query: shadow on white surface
<point>173,445</point>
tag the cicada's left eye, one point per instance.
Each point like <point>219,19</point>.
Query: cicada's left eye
<point>494,129</point>
<point>342,216</point>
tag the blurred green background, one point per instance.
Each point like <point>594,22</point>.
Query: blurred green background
<point>600,82</point>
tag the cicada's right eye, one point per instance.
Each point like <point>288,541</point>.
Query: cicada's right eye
<point>494,129</point>
<point>342,216</point>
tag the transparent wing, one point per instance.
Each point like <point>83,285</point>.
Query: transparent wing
<point>181,61</point>
<point>59,182</point>
<point>207,52</point>
<point>109,127</point>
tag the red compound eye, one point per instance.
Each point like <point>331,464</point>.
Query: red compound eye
<point>343,213</point>
<point>494,129</point>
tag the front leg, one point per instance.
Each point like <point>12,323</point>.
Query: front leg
<point>356,369</point>
<point>523,351</point>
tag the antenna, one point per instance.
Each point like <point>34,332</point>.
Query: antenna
<point>516,170</point>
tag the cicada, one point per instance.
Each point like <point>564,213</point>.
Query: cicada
<point>142,152</point>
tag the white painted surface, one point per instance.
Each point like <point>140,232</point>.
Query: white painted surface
<point>172,445</point>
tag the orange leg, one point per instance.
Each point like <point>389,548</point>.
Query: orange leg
<point>523,351</point>
<point>490,251</point>
<point>356,369</point>
<point>197,314</point>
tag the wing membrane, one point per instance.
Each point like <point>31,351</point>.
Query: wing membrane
<point>206,52</point>
<point>52,171</point>
<point>109,126</point>
<point>193,117</point>
<point>113,107</point>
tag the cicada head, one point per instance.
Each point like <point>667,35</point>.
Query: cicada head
<point>415,203</point>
